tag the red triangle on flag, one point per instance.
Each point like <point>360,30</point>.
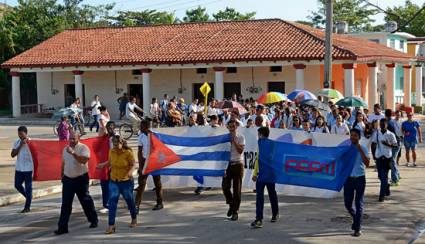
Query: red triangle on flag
<point>307,142</point>
<point>160,156</point>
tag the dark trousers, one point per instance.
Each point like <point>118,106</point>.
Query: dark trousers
<point>234,174</point>
<point>383,166</point>
<point>104,186</point>
<point>24,177</point>
<point>259,204</point>
<point>95,123</point>
<point>80,187</point>
<point>124,188</point>
<point>142,185</point>
<point>354,189</point>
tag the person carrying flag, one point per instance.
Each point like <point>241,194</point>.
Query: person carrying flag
<point>263,132</point>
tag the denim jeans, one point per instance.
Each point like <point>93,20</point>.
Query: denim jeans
<point>95,123</point>
<point>259,203</point>
<point>395,173</point>
<point>76,186</point>
<point>124,188</point>
<point>354,189</point>
<point>24,177</point>
<point>383,165</point>
<point>104,185</point>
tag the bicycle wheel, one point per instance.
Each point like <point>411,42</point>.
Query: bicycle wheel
<point>55,128</point>
<point>126,131</point>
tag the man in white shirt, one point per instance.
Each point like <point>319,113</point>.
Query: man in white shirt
<point>24,167</point>
<point>95,104</point>
<point>75,181</point>
<point>193,107</point>
<point>130,113</point>
<point>377,114</point>
<point>142,154</point>
<point>260,111</point>
<point>384,141</point>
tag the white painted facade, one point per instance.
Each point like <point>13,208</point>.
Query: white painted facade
<point>51,85</point>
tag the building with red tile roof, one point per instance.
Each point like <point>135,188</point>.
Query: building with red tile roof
<point>148,61</point>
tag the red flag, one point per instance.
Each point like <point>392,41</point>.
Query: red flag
<point>307,142</point>
<point>47,158</point>
<point>160,156</point>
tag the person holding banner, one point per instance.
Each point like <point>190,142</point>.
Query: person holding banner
<point>355,184</point>
<point>263,132</point>
<point>75,181</point>
<point>122,163</point>
<point>385,140</point>
<point>234,172</point>
<point>142,154</point>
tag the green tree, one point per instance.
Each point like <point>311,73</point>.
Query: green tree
<point>198,14</point>
<point>355,12</point>
<point>405,13</point>
<point>145,17</point>
<point>232,14</point>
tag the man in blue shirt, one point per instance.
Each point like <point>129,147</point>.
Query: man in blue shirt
<point>411,131</point>
<point>355,185</point>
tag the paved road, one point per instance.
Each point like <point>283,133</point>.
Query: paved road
<point>201,219</point>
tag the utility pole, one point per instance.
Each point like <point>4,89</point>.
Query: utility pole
<point>328,44</point>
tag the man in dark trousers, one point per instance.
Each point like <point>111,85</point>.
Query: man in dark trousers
<point>75,181</point>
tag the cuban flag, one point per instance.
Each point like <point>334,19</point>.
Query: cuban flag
<point>188,151</point>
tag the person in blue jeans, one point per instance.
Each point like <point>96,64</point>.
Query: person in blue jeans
<point>392,126</point>
<point>263,132</point>
<point>411,131</point>
<point>24,167</point>
<point>122,163</point>
<point>355,184</point>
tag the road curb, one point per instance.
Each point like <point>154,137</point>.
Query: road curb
<point>16,198</point>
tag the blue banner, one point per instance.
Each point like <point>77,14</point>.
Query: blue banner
<point>304,165</point>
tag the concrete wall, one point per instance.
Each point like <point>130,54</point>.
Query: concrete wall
<point>103,83</point>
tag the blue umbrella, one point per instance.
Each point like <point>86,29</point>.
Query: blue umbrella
<point>300,95</point>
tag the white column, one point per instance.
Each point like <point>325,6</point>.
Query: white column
<point>78,80</point>
<point>146,76</point>
<point>16,94</point>
<point>390,87</point>
<point>219,83</point>
<point>348,80</point>
<point>299,75</point>
<point>372,85</point>
<point>407,100</point>
<point>418,82</point>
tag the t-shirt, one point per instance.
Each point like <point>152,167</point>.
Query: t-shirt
<point>265,119</point>
<point>193,108</point>
<point>374,117</point>
<point>143,141</point>
<point>120,163</point>
<point>95,107</point>
<point>381,149</point>
<point>131,107</point>
<point>322,129</point>
<point>359,167</point>
<point>72,168</point>
<point>235,156</point>
<point>410,130</point>
<point>340,130</point>
<point>24,161</point>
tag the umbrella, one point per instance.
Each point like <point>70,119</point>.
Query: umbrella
<point>232,106</point>
<point>330,93</point>
<point>351,102</point>
<point>298,95</point>
<point>316,104</point>
<point>272,97</point>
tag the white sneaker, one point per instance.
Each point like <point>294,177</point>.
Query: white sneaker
<point>407,164</point>
<point>414,164</point>
<point>104,210</point>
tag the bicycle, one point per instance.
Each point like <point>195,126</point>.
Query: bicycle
<point>126,130</point>
<point>70,113</point>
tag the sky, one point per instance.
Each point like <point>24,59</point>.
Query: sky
<point>283,9</point>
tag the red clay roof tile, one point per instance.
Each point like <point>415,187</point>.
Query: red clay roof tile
<point>209,42</point>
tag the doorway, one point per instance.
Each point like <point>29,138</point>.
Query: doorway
<point>197,93</point>
<point>231,88</point>
<point>69,95</point>
<point>136,90</point>
<point>276,86</point>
